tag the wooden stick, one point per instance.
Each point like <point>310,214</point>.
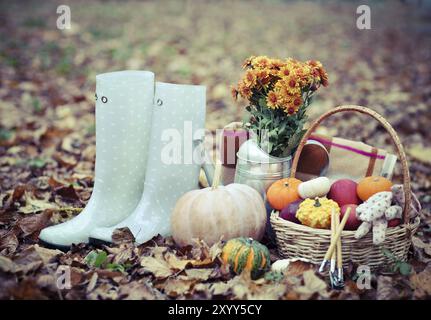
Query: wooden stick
<point>333,229</point>
<point>337,235</point>
<point>339,249</point>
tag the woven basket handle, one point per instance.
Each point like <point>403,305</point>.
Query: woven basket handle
<point>389,129</point>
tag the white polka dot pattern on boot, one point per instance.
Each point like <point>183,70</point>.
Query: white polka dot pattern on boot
<point>165,183</point>
<point>123,125</point>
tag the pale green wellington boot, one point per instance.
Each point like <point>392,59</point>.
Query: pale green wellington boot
<point>177,132</point>
<point>124,106</point>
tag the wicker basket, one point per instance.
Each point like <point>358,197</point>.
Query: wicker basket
<point>299,241</point>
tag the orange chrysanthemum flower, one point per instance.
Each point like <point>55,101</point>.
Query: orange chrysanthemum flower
<point>261,62</point>
<point>284,72</point>
<point>276,64</point>
<point>272,100</point>
<point>297,102</point>
<point>262,77</point>
<point>313,63</point>
<point>250,78</point>
<point>290,110</point>
<point>244,91</point>
<point>324,77</point>
<point>292,83</point>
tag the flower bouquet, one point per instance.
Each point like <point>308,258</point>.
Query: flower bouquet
<point>279,93</point>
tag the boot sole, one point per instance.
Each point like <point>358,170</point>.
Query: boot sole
<point>92,241</point>
<point>54,246</point>
<point>98,242</point>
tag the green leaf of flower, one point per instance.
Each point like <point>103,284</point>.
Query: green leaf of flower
<point>96,259</point>
<point>386,252</point>
<point>405,268</point>
<point>100,259</point>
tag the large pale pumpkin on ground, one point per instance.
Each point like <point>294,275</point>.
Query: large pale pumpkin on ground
<point>231,211</point>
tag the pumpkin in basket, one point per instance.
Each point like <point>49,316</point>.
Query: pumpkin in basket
<point>318,187</point>
<point>246,254</point>
<point>283,192</point>
<point>316,213</point>
<point>369,186</point>
<point>235,210</point>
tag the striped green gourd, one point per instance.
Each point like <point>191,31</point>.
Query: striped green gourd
<point>246,254</point>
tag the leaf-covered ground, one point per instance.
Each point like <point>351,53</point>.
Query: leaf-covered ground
<point>47,142</point>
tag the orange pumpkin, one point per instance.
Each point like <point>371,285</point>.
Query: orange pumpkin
<point>283,192</point>
<point>372,185</point>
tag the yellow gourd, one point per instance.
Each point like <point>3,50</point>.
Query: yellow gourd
<point>316,213</point>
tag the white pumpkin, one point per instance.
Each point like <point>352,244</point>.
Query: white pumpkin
<point>318,187</point>
<point>235,210</point>
<point>280,265</point>
<point>283,264</point>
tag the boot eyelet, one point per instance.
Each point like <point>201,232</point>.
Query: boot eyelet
<point>104,99</point>
<point>159,102</point>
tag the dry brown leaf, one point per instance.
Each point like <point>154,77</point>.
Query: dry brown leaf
<point>35,223</point>
<point>421,283</point>
<point>33,205</point>
<point>92,283</point>
<point>76,275</point>
<point>312,285</point>
<point>28,260</point>
<point>242,286</point>
<point>220,288</point>
<point>17,194</point>
<point>69,143</point>
<point>176,287</point>
<point>47,255</point>
<point>8,243</point>
<point>175,262</point>
<point>67,193</point>
<point>422,250</point>
<point>160,268</point>
<point>65,160</point>
<point>104,291</point>
<point>122,235</point>
<point>417,242</point>
<point>139,290</point>
<point>199,274</point>
<point>109,274</point>
<point>47,281</point>
<point>27,290</point>
<point>385,290</point>
<point>297,268</point>
<point>204,255</point>
<point>7,218</point>
<point>269,291</point>
<point>123,254</point>
<point>55,183</point>
<point>6,264</point>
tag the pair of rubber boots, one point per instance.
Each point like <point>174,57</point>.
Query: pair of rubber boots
<point>148,140</point>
